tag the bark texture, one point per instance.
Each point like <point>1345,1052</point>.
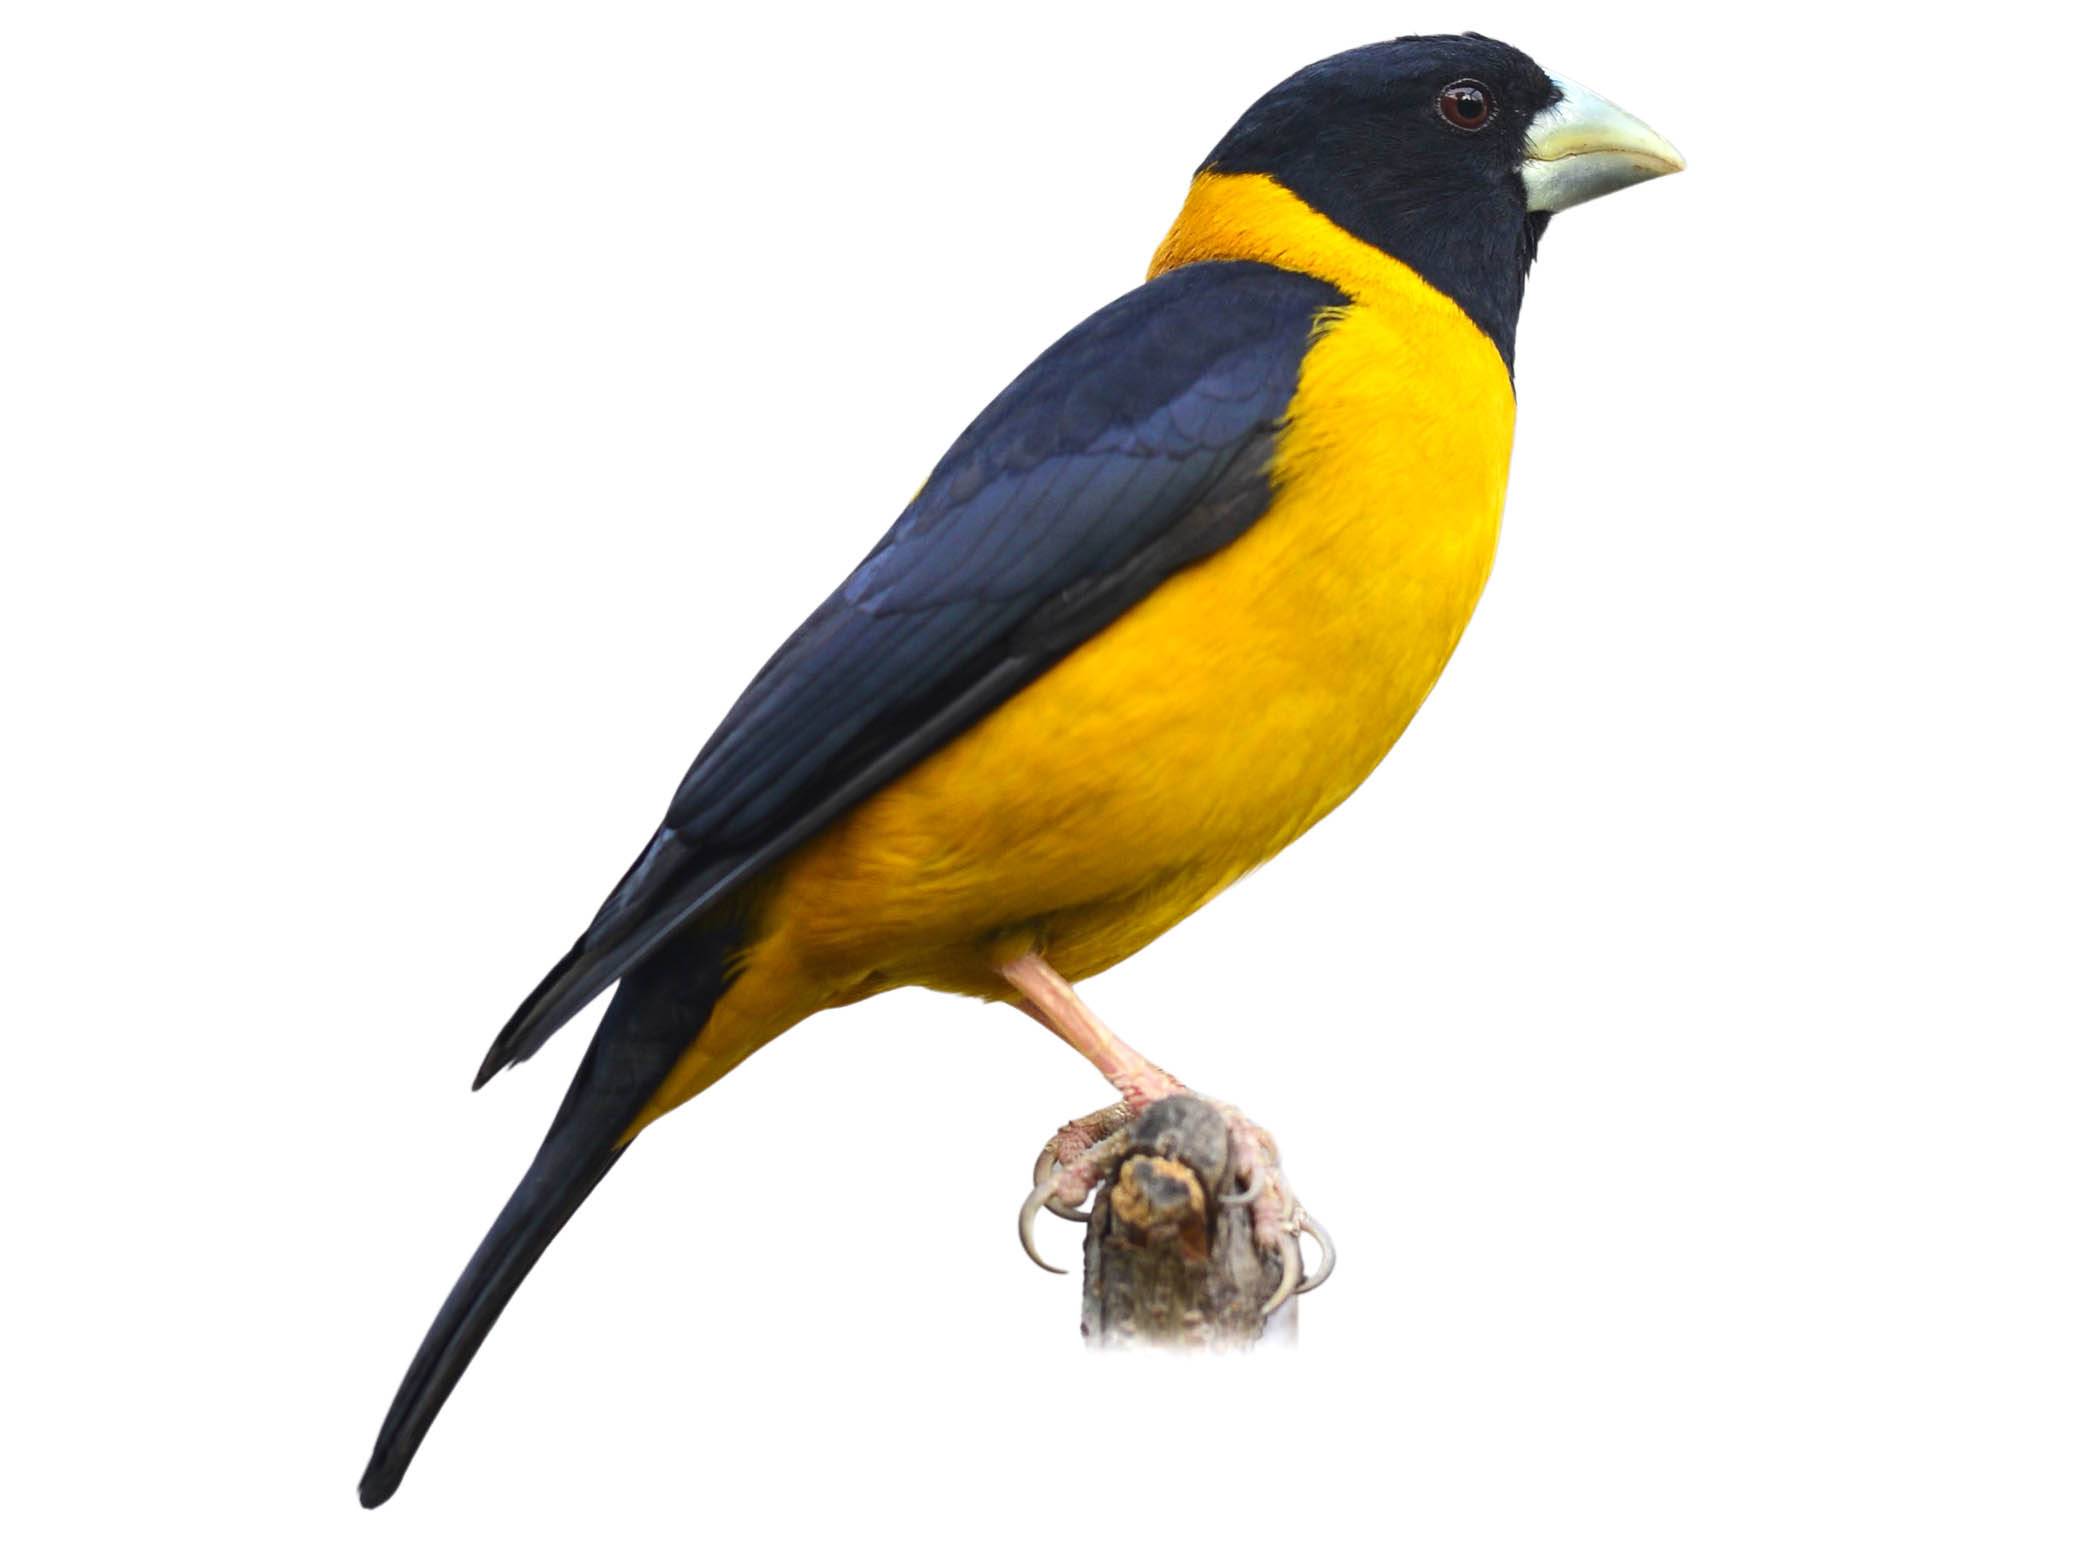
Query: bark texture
<point>1166,1262</point>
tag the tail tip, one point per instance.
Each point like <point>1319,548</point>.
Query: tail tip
<point>379,1484</point>
<point>387,1464</point>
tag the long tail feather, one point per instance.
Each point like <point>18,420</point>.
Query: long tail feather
<point>657,1012</point>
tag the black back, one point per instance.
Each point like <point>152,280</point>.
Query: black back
<point>1134,447</point>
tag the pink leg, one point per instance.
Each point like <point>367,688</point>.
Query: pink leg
<point>1052,1000</point>
<point>1081,1153</point>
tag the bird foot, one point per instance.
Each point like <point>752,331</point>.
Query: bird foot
<point>1075,1161</point>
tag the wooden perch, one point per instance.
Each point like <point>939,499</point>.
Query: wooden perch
<point>1167,1262</point>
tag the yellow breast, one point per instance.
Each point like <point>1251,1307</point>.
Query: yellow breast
<point>1237,704</point>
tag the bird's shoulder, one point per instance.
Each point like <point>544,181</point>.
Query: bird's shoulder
<point>1122,435</point>
<point>1186,362</point>
<point>1133,447</point>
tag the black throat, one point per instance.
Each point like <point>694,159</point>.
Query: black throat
<point>1473,246</point>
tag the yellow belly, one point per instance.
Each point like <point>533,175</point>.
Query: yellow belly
<point>1215,722</point>
<point>1198,735</point>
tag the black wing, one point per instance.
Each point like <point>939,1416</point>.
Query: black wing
<point>1136,445</point>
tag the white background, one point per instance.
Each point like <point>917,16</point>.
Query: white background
<point>420,420</point>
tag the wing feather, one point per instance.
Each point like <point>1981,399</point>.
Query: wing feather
<point>1136,445</point>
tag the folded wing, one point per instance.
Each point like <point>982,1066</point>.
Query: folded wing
<point>1135,446</point>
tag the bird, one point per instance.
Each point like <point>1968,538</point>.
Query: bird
<point>1162,606</point>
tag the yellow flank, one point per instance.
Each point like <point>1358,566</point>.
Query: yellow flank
<point>1210,726</point>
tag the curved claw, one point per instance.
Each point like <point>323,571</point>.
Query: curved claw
<point>1247,1195</point>
<point>1328,1257</point>
<point>1292,1270</point>
<point>1026,1225</point>
<point>1047,1164</point>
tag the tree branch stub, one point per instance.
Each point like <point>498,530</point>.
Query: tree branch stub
<point>1166,1261</point>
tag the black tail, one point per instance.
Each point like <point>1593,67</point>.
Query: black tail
<point>656,1013</point>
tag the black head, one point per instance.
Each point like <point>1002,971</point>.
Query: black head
<point>1415,147</point>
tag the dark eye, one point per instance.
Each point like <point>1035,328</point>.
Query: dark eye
<point>1467,105</point>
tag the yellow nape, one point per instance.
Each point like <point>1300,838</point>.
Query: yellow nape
<point>1251,216</point>
<point>1217,720</point>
